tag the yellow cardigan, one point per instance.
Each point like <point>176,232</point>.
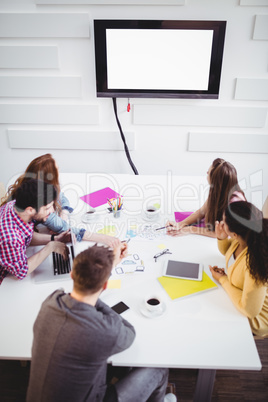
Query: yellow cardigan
<point>250,298</point>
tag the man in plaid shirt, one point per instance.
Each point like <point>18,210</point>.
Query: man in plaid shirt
<point>34,200</point>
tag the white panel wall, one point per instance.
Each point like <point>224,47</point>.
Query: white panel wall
<point>68,139</point>
<point>220,142</point>
<point>113,2</point>
<point>40,87</point>
<point>34,25</point>
<point>29,57</point>
<point>252,89</point>
<point>48,97</point>
<point>48,114</point>
<point>169,115</point>
<point>253,2</point>
<point>261,27</point>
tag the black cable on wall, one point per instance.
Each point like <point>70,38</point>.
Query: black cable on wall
<point>123,139</point>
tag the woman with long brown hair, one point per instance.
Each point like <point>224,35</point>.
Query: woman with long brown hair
<point>224,189</point>
<point>45,168</point>
<point>243,239</point>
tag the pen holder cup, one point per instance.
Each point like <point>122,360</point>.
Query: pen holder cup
<point>117,214</point>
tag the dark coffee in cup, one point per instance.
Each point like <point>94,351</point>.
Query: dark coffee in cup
<point>150,210</point>
<point>153,302</point>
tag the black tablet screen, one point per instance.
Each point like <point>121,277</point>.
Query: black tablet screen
<point>182,269</point>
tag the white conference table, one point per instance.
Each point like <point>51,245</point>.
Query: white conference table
<point>203,331</point>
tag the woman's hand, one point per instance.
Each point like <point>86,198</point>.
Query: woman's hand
<point>219,230</point>
<point>174,228</point>
<point>216,272</point>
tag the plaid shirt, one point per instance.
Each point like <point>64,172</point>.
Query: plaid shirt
<point>15,237</point>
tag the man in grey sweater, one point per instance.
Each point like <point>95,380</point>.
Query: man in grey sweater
<point>74,334</point>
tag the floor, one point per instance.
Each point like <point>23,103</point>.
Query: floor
<point>234,386</point>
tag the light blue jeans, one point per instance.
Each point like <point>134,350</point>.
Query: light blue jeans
<point>139,384</point>
<point>58,225</point>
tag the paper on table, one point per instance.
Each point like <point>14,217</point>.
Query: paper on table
<point>161,246</point>
<point>177,288</point>
<point>114,284</point>
<point>108,230</point>
<point>180,216</point>
<point>99,197</point>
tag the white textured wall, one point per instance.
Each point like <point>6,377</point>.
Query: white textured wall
<point>48,100</point>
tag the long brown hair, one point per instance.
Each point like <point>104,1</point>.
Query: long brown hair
<point>223,183</point>
<point>42,168</point>
<point>244,219</point>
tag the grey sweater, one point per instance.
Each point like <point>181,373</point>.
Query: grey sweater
<point>72,341</point>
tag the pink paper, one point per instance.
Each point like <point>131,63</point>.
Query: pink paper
<point>180,216</point>
<point>99,197</point>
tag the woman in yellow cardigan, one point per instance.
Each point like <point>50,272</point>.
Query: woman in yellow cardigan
<point>243,239</point>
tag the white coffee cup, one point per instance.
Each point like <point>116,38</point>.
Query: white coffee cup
<point>89,215</point>
<point>153,303</point>
<point>151,213</point>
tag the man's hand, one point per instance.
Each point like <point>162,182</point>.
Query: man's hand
<point>123,250</point>
<point>60,248</point>
<point>120,252</point>
<point>65,237</point>
<point>110,241</point>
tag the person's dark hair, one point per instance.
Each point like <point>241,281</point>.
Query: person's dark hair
<point>223,183</point>
<point>43,168</point>
<point>92,268</point>
<point>34,193</point>
<point>244,219</point>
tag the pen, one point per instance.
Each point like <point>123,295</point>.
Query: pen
<point>164,227</point>
<point>126,241</point>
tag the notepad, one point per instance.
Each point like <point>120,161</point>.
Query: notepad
<point>180,216</point>
<point>99,197</point>
<point>179,288</point>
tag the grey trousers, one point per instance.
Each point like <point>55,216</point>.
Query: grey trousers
<point>138,384</point>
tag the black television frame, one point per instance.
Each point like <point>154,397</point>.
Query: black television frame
<point>218,27</point>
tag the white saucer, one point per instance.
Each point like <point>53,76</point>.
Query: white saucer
<point>88,218</point>
<point>152,314</point>
<point>151,218</point>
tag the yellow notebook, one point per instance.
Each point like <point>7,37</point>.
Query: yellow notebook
<point>177,288</point>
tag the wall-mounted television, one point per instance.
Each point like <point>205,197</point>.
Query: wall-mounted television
<point>158,58</point>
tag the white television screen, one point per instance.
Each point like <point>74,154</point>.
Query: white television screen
<point>161,59</point>
<point>158,59</point>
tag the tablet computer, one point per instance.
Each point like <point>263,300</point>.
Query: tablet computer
<point>183,270</point>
